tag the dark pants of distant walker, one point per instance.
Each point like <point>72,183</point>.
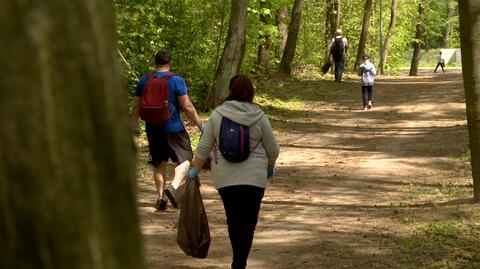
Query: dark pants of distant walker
<point>367,94</point>
<point>339,66</point>
<point>440,64</point>
<point>242,204</point>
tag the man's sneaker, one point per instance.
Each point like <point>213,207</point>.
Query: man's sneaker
<point>170,193</point>
<point>369,105</point>
<point>161,204</point>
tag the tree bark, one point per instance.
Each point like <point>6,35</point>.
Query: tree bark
<point>332,19</point>
<point>234,50</point>
<point>329,24</point>
<point>265,41</point>
<point>210,89</point>
<point>388,37</point>
<point>470,44</point>
<point>364,35</point>
<point>448,27</point>
<point>417,44</point>
<point>67,158</point>
<point>293,29</point>
<point>336,5</point>
<point>282,26</point>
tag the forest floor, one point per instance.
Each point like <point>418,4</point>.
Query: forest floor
<point>385,188</point>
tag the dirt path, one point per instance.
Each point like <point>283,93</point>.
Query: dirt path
<point>340,173</point>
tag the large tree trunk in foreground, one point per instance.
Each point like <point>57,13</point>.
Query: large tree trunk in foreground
<point>234,50</point>
<point>470,41</point>
<point>67,158</point>
<point>417,44</point>
<point>364,34</point>
<point>290,47</point>
<point>388,37</point>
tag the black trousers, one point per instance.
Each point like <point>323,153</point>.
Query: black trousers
<point>367,94</point>
<point>242,204</point>
<point>441,65</point>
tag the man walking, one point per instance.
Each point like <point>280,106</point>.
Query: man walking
<point>440,62</point>
<point>170,139</point>
<point>337,50</point>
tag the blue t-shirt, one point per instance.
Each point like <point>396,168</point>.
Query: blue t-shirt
<point>176,88</point>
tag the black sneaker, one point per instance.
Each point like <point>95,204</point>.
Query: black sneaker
<point>161,204</point>
<point>170,193</point>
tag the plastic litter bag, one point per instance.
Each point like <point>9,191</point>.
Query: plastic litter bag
<point>193,235</point>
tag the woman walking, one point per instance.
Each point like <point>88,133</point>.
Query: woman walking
<point>241,185</point>
<point>367,71</point>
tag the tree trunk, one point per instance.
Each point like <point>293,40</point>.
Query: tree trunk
<point>210,89</point>
<point>417,44</point>
<point>448,27</point>
<point>265,42</point>
<point>364,35</point>
<point>329,24</point>
<point>336,6</point>
<point>293,29</point>
<point>282,26</point>
<point>470,44</point>
<point>388,37</point>
<point>234,50</point>
<point>67,158</point>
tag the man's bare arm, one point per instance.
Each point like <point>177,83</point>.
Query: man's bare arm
<point>188,107</point>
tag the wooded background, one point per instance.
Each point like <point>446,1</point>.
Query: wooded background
<point>195,31</point>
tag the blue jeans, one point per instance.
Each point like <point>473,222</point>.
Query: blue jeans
<point>339,66</point>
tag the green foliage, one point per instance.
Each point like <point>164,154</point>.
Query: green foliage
<point>437,22</point>
<point>312,48</point>
<point>190,29</point>
<point>195,32</point>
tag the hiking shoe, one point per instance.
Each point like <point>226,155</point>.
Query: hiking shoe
<point>161,204</point>
<point>170,193</point>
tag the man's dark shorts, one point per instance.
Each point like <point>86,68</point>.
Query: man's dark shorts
<point>164,146</point>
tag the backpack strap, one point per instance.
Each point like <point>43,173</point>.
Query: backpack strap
<point>254,148</point>
<point>151,75</point>
<point>168,75</point>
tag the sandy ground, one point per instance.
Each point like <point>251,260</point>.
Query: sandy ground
<point>339,172</point>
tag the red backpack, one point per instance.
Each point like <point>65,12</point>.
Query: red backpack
<point>154,104</point>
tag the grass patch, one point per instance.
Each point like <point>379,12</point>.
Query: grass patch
<point>443,244</point>
<point>266,100</point>
<point>422,194</point>
<point>465,157</point>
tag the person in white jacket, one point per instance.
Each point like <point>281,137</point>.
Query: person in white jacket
<point>367,71</point>
<point>241,185</point>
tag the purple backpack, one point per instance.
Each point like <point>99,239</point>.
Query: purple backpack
<point>234,141</point>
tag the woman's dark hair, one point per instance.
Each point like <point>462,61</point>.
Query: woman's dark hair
<point>241,89</point>
<point>366,56</point>
<point>162,57</point>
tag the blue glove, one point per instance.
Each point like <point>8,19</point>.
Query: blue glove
<point>192,173</point>
<point>270,171</point>
<point>202,128</point>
